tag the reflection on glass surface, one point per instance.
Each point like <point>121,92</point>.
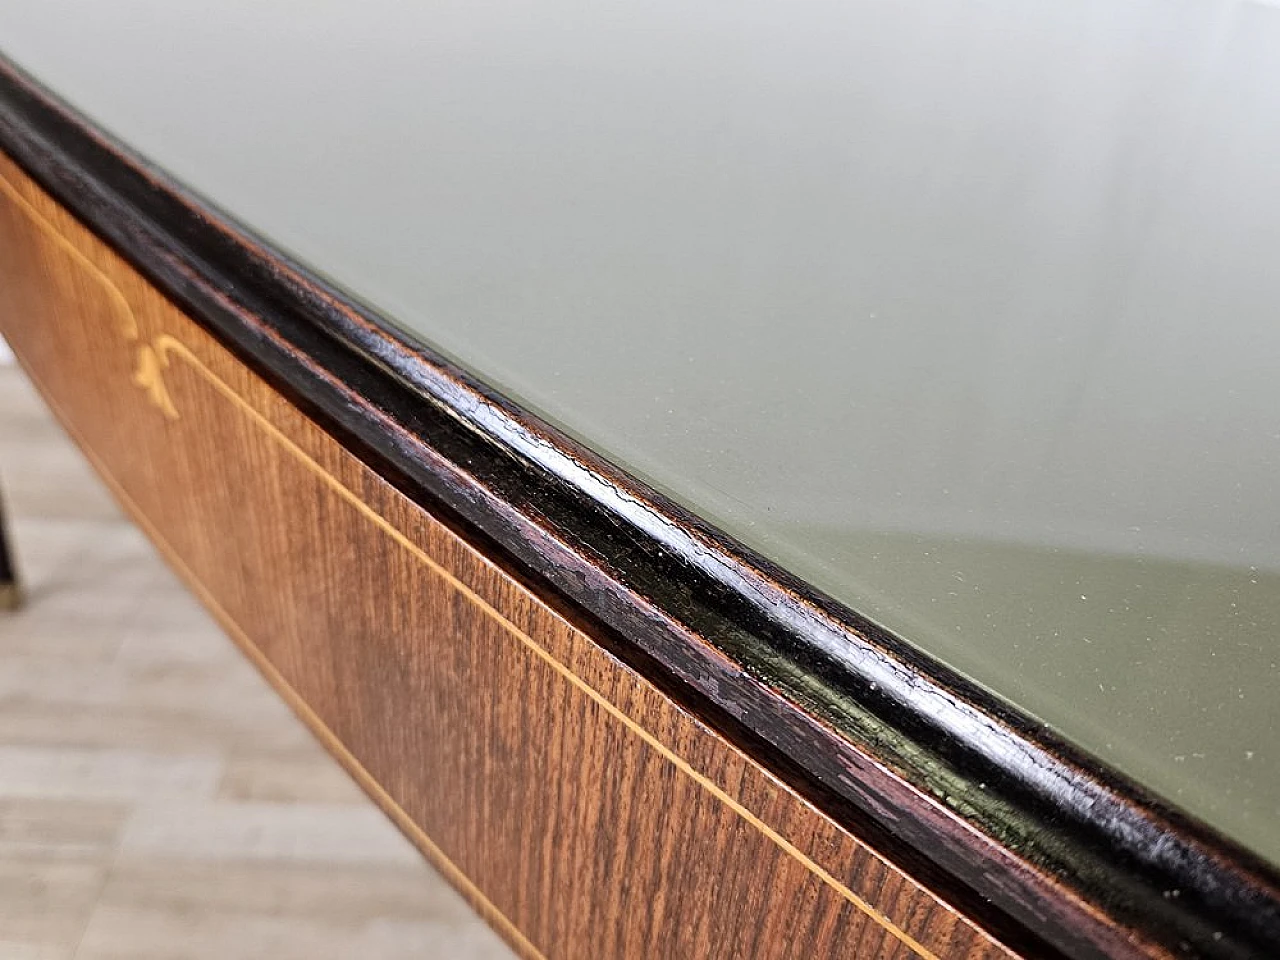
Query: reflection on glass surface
<point>964,312</point>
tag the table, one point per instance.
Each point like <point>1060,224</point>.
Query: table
<point>728,482</point>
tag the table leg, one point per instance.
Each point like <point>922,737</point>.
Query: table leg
<point>10,589</point>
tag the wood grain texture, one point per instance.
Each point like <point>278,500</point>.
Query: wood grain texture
<point>579,809</point>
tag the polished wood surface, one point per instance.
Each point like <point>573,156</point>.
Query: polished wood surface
<point>578,808</point>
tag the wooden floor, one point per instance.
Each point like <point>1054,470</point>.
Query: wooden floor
<point>156,799</point>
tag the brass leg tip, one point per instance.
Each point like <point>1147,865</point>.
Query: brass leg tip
<point>10,596</point>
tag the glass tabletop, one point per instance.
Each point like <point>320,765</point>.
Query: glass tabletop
<point>966,313</point>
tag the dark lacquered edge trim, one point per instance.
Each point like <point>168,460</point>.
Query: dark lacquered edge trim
<point>1032,836</point>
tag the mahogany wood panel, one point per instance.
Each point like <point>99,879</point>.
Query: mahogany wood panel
<point>581,811</point>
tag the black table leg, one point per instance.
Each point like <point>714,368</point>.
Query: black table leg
<point>10,590</point>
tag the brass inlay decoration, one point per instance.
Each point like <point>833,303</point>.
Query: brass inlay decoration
<point>153,359</point>
<point>148,366</point>
<point>149,376</point>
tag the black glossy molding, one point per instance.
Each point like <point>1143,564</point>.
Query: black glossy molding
<point>1048,848</point>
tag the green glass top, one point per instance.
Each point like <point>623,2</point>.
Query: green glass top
<point>966,312</point>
